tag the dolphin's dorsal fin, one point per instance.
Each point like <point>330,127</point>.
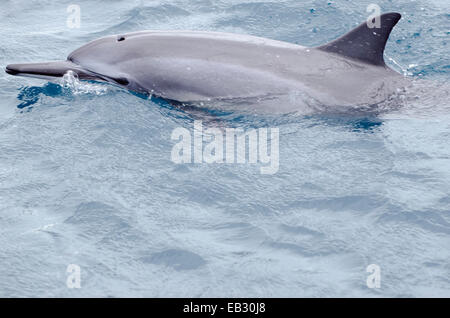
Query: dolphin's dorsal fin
<point>364,43</point>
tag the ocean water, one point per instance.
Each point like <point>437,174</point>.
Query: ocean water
<point>86,175</point>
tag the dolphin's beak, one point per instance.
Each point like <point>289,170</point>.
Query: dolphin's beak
<point>47,69</point>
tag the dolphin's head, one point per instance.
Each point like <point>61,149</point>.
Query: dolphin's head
<point>98,60</point>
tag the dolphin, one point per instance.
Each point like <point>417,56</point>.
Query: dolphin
<point>197,66</point>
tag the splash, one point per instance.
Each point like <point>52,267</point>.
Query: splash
<point>71,81</point>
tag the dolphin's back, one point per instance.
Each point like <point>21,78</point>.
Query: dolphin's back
<point>197,66</point>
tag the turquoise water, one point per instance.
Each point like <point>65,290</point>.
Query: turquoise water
<point>86,176</point>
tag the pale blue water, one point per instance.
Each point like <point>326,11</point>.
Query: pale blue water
<point>86,176</point>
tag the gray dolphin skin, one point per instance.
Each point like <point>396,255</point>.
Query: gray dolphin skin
<point>194,66</point>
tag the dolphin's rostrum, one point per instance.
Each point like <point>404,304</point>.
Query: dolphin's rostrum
<point>194,66</point>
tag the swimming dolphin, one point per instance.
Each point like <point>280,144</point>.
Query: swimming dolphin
<point>194,66</point>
